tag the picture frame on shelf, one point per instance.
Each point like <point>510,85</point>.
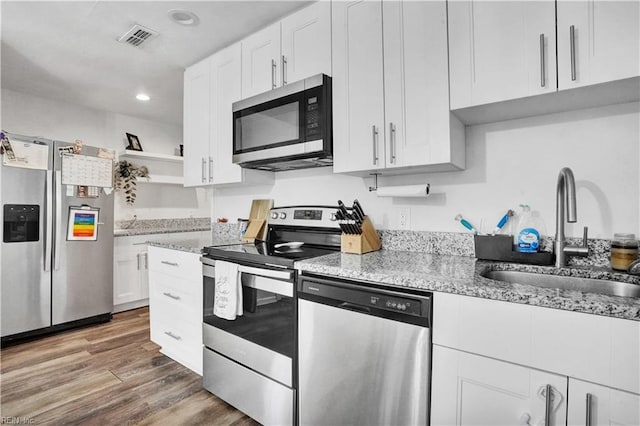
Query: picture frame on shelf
<point>134,142</point>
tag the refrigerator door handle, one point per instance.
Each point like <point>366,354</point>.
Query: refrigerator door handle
<point>48,221</point>
<point>58,220</point>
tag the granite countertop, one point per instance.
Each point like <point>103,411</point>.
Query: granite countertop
<point>193,245</point>
<point>462,275</point>
<point>160,226</point>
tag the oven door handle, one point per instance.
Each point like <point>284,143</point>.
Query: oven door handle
<point>284,274</point>
<point>269,273</point>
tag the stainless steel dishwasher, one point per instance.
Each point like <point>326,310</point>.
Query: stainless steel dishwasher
<point>364,354</point>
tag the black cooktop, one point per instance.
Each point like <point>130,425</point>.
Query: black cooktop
<point>265,253</point>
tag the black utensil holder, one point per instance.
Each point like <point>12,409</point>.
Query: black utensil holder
<point>500,247</point>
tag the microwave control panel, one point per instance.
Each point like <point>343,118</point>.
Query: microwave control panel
<point>313,125</point>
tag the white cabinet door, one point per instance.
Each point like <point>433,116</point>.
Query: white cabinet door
<point>496,53</point>
<point>390,109</point>
<point>261,61</point>
<point>358,86</point>
<point>196,124</point>
<point>595,405</point>
<point>226,86</point>
<point>606,41</point>
<point>130,274</point>
<point>473,390</point>
<point>416,84</point>
<point>306,43</point>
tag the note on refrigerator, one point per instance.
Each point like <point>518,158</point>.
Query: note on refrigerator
<point>87,170</point>
<point>28,155</point>
<point>83,223</point>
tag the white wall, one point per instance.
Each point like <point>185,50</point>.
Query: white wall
<point>508,163</point>
<point>36,116</point>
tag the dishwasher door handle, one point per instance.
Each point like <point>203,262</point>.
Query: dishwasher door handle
<point>353,307</point>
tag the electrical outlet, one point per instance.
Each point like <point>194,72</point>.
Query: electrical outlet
<point>404,218</point>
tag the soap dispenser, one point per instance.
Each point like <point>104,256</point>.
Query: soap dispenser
<point>527,231</point>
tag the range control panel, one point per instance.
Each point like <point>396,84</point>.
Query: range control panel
<point>399,304</point>
<point>305,216</point>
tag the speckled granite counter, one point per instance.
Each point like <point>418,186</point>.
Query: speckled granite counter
<point>161,226</point>
<point>462,275</point>
<point>192,244</point>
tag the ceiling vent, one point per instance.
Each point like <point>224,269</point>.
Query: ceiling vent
<point>137,35</point>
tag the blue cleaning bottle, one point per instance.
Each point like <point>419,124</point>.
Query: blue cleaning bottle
<point>528,231</point>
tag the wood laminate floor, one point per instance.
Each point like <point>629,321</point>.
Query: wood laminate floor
<point>109,374</point>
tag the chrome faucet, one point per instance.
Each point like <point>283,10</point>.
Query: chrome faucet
<point>566,196</point>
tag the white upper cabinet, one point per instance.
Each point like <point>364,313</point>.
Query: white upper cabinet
<point>260,57</point>
<point>197,161</point>
<point>306,43</point>
<point>297,47</point>
<point>605,45</point>
<point>358,86</point>
<point>501,50</point>
<point>390,88</point>
<point>225,89</point>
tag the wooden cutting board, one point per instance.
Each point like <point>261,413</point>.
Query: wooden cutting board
<point>258,215</point>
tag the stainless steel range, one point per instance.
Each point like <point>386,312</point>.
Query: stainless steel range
<point>250,361</point>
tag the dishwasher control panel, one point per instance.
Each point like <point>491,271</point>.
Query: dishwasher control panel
<point>395,304</point>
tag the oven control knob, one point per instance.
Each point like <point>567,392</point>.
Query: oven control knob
<point>333,217</point>
<point>274,215</point>
<point>283,215</point>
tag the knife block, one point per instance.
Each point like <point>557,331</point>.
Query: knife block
<point>366,242</point>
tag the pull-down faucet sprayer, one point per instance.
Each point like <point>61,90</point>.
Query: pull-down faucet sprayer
<point>566,197</point>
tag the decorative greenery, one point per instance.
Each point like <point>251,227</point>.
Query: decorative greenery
<point>125,179</point>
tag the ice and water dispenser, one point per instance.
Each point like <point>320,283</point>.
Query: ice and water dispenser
<point>21,223</point>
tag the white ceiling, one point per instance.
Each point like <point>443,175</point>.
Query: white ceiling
<point>68,50</point>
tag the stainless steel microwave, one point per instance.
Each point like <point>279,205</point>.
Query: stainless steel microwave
<point>286,128</point>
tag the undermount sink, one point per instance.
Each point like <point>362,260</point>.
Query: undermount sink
<point>590,285</point>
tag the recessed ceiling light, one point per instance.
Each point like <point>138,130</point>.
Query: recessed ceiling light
<point>142,97</point>
<point>183,17</point>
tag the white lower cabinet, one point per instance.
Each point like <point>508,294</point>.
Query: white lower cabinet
<point>130,273</point>
<point>595,405</point>
<point>474,390</point>
<point>493,360</point>
<point>175,305</point>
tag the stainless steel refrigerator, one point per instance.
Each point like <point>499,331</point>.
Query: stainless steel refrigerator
<point>50,281</point>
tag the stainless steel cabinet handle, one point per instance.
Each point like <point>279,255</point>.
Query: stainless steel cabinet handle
<point>49,223</point>
<point>284,70</point>
<point>375,144</point>
<point>138,261</point>
<point>548,397</point>
<point>204,172</point>
<point>210,169</point>
<point>172,296</point>
<point>587,416</point>
<point>166,262</point>
<point>273,74</point>
<point>542,65</point>
<point>146,260</point>
<point>173,336</point>
<point>572,41</point>
<point>392,143</point>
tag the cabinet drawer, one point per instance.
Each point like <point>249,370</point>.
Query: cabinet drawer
<point>180,340</point>
<point>177,263</point>
<point>176,298</point>
<point>595,348</point>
